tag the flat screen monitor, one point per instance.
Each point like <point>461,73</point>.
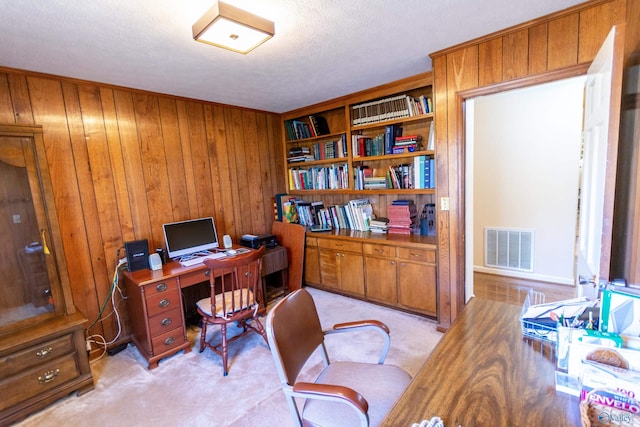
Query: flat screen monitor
<point>188,237</point>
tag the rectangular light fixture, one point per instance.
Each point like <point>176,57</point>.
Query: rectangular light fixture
<point>231,28</point>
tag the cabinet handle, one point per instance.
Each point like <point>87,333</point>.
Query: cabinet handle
<point>339,245</point>
<point>393,263</point>
<point>416,255</point>
<point>44,352</point>
<point>402,264</point>
<point>337,254</point>
<point>169,341</point>
<point>48,376</point>
<point>166,321</point>
<point>379,250</point>
<point>164,303</point>
<point>161,287</point>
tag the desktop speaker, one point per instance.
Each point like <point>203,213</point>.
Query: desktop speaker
<point>155,262</point>
<point>137,254</point>
<point>226,241</point>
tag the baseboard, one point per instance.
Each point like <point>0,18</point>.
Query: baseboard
<point>565,281</point>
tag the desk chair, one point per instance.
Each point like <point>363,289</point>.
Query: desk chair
<point>345,393</point>
<point>233,299</point>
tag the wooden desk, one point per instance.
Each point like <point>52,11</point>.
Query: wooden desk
<point>155,304</point>
<point>483,373</point>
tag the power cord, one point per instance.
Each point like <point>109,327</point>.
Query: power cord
<point>98,339</point>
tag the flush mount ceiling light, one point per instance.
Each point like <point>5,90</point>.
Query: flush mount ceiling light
<point>231,28</point>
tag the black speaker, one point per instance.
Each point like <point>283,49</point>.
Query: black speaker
<point>137,254</point>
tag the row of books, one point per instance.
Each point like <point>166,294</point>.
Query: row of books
<point>390,142</point>
<point>331,177</point>
<point>319,151</point>
<point>300,129</point>
<point>394,107</point>
<point>420,174</point>
<point>355,215</point>
<point>403,217</point>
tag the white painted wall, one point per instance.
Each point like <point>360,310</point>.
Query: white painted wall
<point>526,163</point>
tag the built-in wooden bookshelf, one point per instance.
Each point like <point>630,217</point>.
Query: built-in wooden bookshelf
<point>359,136</point>
<point>391,269</point>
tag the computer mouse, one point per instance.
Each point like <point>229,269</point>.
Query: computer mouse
<point>232,251</point>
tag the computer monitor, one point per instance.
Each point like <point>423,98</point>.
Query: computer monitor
<point>189,237</point>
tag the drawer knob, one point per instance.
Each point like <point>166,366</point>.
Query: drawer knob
<point>169,341</point>
<point>44,352</point>
<point>207,272</point>
<point>166,321</point>
<point>161,287</point>
<point>164,303</point>
<point>393,263</point>
<point>48,376</point>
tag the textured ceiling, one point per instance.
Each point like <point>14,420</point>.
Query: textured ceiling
<point>322,48</point>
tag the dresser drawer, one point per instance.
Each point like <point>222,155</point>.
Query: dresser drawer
<point>311,241</point>
<point>165,322</point>
<point>162,302</point>
<point>161,287</point>
<point>340,245</point>
<point>379,250</point>
<point>417,254</point>
<point>167,341</point>
<point>35,355</point>
<point>38,380</point>
<point>198,276</point>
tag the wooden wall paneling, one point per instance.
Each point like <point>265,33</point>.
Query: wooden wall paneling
<point>442,189</point>
<point>21,99</point>
<point>490,61</point>
<point>132,163</point>
<point>240,182</point>
<point>82,141</point>
<point>223,156</point>
<point>462,73</point>
<point>218,207</point>
<point>200,162</point>
<point>538,48</point>
<point>49,111</point>
<point>121,202</point>
<point>104,233</point>
<point>185,160</point>
<point>6,107</point>
<point>253,164</point>
<point>156,180</point>
<point>563,42</point>
<point>173,154</point>
<point>595,24</point>
<point>515,54</point>
<point>268,183</point>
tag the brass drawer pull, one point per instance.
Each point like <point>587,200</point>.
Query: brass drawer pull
<point>164,303</point>
<point>48,376</point>
<point>161,287</point>
<point>379,250</point>
<point>169,341</point>
<point>44,352</point>
<point>166,321</point>
<point>412,254</point>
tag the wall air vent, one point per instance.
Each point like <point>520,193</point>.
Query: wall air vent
<point>509,249</point>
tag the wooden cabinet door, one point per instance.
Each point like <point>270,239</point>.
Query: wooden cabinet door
<point>381,279</point>
<point>312,265</point>
<point>417,286</point>
<point>351,273</point>
<point>329,268</point>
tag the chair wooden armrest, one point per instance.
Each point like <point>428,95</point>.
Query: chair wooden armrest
<point>359,325</point>
<point>333,392</point>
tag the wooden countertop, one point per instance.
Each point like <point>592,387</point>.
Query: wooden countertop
<point>484,373</point>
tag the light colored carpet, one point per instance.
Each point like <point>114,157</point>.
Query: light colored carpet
<point>189,389</point>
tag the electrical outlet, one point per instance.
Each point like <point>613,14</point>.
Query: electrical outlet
<point>444,203</point>
<point>17,219</point>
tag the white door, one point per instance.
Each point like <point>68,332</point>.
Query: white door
<point>601,124</point>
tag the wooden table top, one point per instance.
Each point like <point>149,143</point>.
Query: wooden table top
<point>484,373</point>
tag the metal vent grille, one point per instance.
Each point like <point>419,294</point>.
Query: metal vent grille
<point>510,249</point>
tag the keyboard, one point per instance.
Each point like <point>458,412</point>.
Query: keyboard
<point>200,259</point>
